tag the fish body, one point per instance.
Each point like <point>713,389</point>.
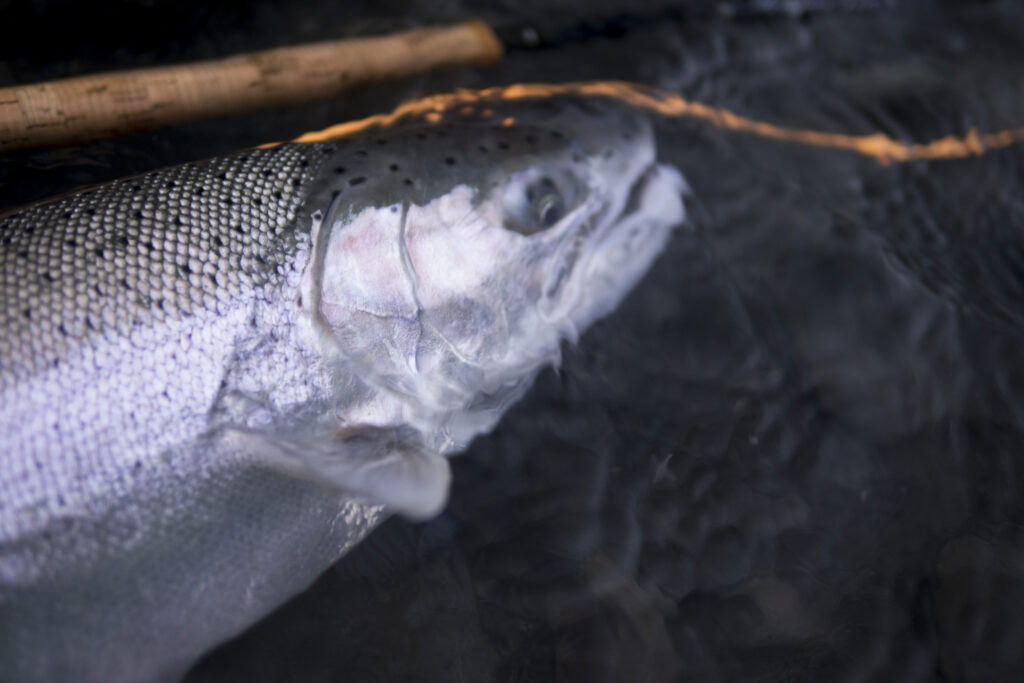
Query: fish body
<point>216,378</point>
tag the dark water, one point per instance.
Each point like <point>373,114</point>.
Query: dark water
<point>797,450</point>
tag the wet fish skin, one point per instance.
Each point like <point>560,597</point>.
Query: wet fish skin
<point>217,378</point>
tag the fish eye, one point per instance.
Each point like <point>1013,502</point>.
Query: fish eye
<point>547,203</point>
<point>536,201</point>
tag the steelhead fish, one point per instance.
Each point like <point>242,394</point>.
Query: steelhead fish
<point>216,378</point>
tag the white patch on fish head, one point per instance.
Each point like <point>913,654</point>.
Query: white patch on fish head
<point>359,286</point>
<point>367,272</point>
<point>456,303</point>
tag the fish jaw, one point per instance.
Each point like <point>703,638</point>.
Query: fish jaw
<point>625,251</point>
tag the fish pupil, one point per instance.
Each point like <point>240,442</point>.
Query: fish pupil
<point>550,207</point>
<point>550,210</point>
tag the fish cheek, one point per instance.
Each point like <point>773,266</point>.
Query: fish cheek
<point>362,266</point>
<point>454,247</point>
<point>366,298</point>
<point>472,328</point>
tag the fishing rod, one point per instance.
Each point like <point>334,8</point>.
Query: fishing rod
<point>92,107</point>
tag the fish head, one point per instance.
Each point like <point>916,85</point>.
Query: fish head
<point>454,278</point>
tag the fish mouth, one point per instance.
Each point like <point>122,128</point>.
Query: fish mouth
<point>636,191</point>
<point>594,231</point>
<point>605,257</point>
<point>657,188</point>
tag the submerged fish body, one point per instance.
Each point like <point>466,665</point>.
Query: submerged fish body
<point>216,378</point>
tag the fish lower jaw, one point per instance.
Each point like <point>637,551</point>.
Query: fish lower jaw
<point>622,252</point>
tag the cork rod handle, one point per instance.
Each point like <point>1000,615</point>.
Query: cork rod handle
<point>109,104</point>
